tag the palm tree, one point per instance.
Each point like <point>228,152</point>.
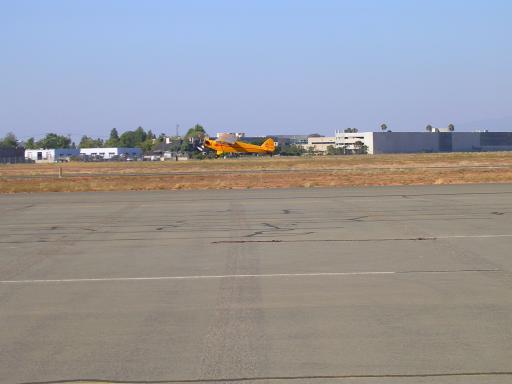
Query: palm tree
<point>428,128</point>
<point>383,127</point>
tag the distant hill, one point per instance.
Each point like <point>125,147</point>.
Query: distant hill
<point>496,125</point>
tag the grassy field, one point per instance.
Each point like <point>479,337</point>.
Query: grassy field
<point>332,171</point>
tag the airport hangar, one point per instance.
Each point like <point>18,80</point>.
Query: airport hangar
<point>417,142</point>
<point>62,154</point>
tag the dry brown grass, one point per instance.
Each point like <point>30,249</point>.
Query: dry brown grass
<point>338,171</point>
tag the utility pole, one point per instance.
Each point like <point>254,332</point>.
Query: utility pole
<point>177,140</point>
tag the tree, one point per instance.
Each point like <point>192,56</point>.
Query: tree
<point>89,142</point>
<point>197,131</point>
<point>9,141</point>
<point>147,144</point>
<point>383,127</point>
<point>291,150</point>
<point>360,148</point>
<point>113,140</point>
<point>451,127</point>
<point>139,135</point>
<point>185,146</point>
<point>193,137</point>
<point>114,135</point>
<point>52,140</point>
<point>332,150</point>
<point>428,128</point>
<point>127,139</point>
<point>138,138</point>
<point>351,130</point>
<point>30,143</point>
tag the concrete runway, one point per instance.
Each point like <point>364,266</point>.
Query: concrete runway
<point>373,285</point>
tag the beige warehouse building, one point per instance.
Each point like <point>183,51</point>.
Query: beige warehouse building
<point>319,144</point>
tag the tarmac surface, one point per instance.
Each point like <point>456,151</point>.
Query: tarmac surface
<point>367,285</point>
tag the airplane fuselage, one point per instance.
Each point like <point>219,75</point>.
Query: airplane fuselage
<point>221,147</point>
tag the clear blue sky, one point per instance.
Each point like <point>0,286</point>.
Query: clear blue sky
<point>261,66</point>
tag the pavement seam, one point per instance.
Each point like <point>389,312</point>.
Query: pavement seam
<point>238,276</point>
<point>261,378</point>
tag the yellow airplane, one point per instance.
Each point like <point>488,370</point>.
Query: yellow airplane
<point>222,146</point>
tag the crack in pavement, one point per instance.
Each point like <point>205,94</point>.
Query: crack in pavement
<point>273,229</point>
<point>321,240</point>
<point>262,378</point>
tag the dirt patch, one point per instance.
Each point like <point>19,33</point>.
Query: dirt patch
<point>339,171</point>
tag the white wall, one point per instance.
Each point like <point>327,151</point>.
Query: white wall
<point>51,155</point>
<point>348,139</point>
<point>107,153</point>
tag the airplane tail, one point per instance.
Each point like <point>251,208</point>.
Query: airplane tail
<point>269,145</point>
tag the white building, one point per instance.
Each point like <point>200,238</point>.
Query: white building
<point>108,153</point>
<point>417,142</point>
<point>353,140</point>
<point>51,155</point>
<point>236,135</point>
<point>319,144</point>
